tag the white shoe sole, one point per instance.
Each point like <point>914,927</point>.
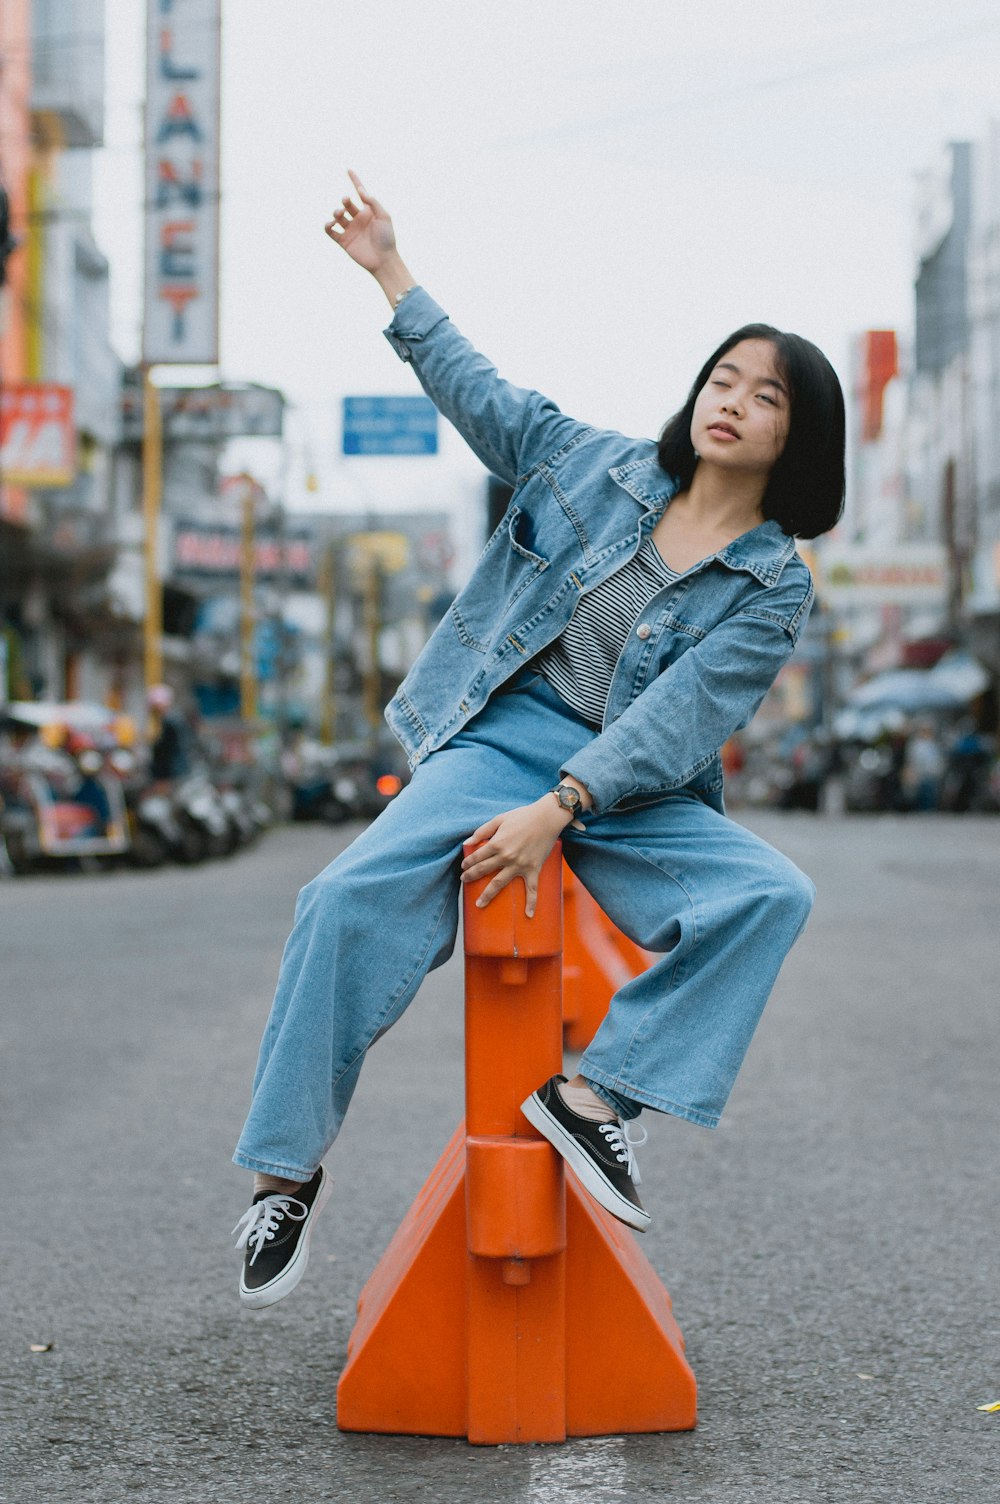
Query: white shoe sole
<point>284,1283</point>
<point>579,1161</point>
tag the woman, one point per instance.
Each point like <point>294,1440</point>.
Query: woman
<point>627,616</point>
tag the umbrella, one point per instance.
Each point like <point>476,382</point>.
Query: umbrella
<point>953,681</point>
<point>909,689</point>
<point>77,714</point>
<point>962,674</point>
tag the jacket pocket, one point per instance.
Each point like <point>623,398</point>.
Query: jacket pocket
<point>520,533</point>
<point>507,566</point>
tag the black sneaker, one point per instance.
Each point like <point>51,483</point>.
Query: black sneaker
<point>600,1153</point>
<point>275,1233</point>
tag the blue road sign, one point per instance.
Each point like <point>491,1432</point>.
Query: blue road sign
<point>390,425</point>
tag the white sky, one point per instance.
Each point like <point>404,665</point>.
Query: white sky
<point>598,192</point>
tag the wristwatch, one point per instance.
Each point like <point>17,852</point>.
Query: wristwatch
<point>568,798</point>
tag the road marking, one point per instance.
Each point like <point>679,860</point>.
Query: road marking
<point>587,1472</point>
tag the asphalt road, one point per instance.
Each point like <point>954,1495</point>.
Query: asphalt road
<point>831,1250</point>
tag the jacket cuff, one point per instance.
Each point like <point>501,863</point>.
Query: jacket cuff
<point>604,771</point>
<point>413,320</point>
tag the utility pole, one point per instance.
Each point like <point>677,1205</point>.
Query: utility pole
<point>152,498</point>
<point>248,569</point>
<point>282,654</point>
<point>372,630</point>
<point>7,244</point>
<point>328,590</point>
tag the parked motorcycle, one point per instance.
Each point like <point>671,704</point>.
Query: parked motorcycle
<point>350,781</point>
<point>60,797</point>
<point>158,834</point>
<point>247,814</point>
<point>71,787</point>
<point>199,808</point>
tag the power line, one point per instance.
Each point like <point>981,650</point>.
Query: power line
<point>731,93</point>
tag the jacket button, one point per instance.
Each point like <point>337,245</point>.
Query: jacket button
<point>643,630</point>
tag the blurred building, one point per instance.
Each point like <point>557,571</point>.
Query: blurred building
<point>914,567</point>
<point>384,581</point>
<point>940,470</point>
<point>60,377</point>
<point>200,526</point>
<point>953,452</point>
<point>981,588</point>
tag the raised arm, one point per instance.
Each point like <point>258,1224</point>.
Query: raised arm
<point>367,235</point>
<point>510,428</point>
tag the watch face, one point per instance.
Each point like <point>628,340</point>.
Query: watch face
<point>568,798</point>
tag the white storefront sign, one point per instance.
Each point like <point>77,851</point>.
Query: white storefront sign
<point>181,302</point>
<point>909,574</point>
<point>984,598</point>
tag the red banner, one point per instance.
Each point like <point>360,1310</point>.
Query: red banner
<point>37,435</point>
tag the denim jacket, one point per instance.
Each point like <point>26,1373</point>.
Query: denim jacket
<point>705,650</point>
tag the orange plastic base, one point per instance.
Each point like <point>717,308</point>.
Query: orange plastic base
<point>412,1368</point>
<point>509,1307</point>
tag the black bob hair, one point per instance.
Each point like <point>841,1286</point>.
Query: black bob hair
<point>805,490</point>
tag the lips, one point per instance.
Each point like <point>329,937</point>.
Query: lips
<point>723,428</point>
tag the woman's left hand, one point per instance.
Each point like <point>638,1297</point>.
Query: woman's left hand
<point>515,845</point>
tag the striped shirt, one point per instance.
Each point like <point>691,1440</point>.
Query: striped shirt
<point>580,663</point>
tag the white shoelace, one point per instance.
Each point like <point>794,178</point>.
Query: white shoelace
<point>260,1222</point>
<point>623,1147</point>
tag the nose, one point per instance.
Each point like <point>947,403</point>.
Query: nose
<point>732,405</point>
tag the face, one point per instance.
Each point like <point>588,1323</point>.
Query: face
<point>742,413</point>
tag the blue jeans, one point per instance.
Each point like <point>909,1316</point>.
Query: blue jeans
<point>722,906</point>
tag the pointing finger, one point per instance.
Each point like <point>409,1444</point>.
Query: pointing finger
<point>363,194</point>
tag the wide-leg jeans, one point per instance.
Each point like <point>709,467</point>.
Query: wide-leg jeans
<point>721,906</point>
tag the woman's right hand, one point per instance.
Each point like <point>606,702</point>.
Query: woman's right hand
<point>364,232</point>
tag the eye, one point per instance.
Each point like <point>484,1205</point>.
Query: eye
<point>763,396</point>
<point>723,384</point>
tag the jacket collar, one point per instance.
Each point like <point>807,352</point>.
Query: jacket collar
<point>646,481</point>
<point>762,552</point>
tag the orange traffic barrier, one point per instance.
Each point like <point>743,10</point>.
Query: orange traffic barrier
<point>509,1306</point>
<point>597,960</point>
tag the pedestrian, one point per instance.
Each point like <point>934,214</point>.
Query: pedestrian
<point>967,768</point>
<point>627,617</point>
<point>923,769</point>
<point>170,751</point>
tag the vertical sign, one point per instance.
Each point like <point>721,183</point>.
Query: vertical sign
<point>180,308</point>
